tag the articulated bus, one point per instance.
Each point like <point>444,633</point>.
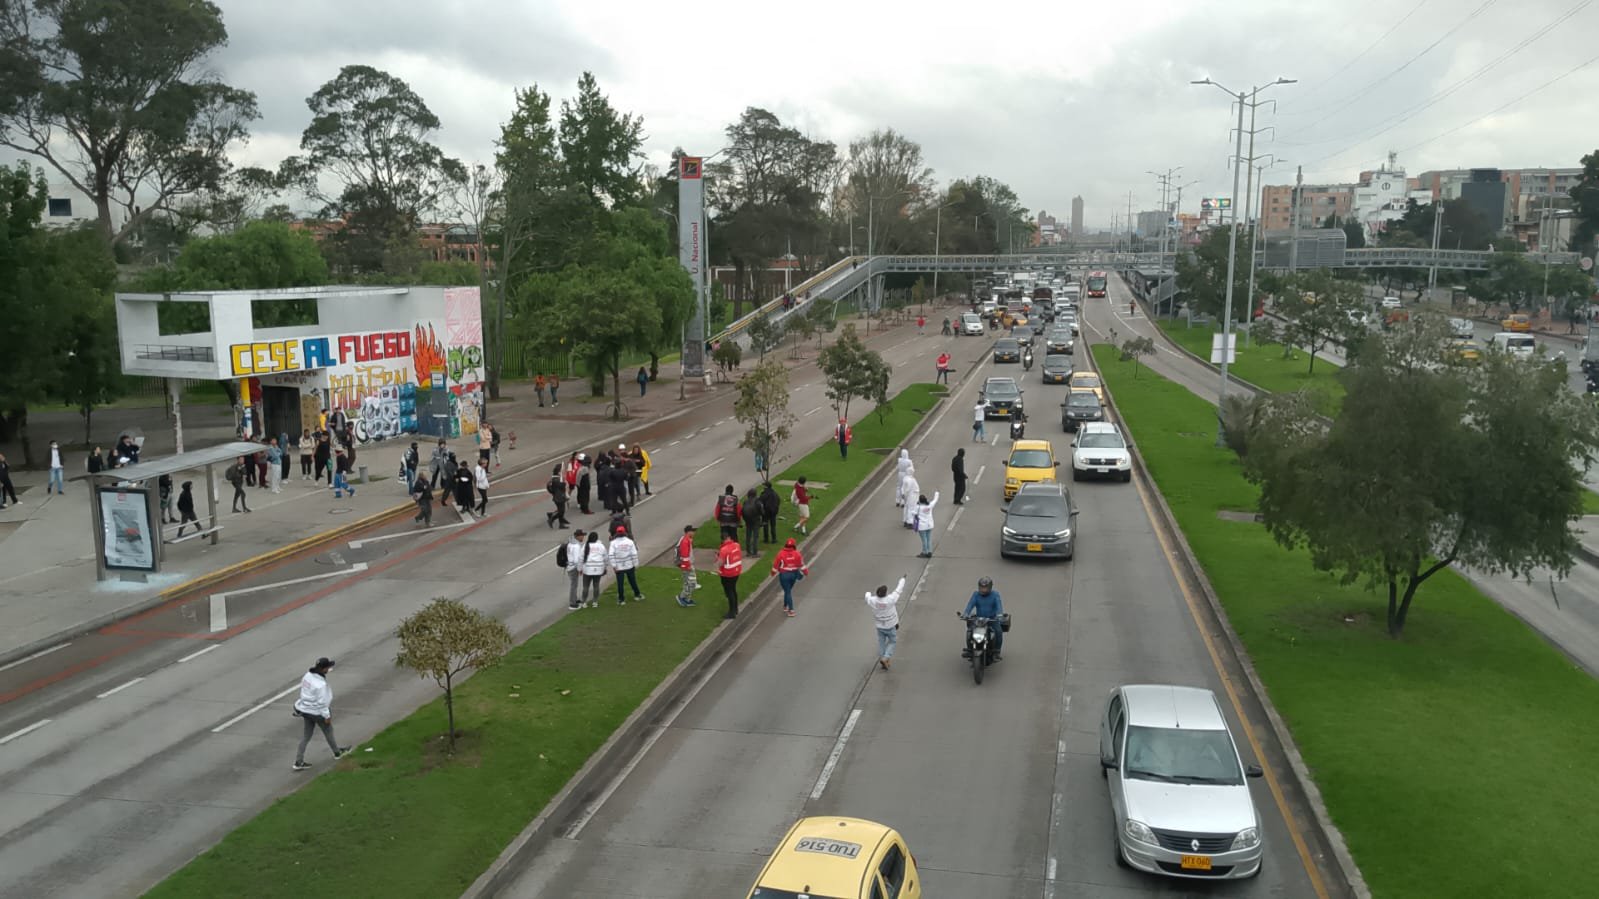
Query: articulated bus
<point>1096,284</point>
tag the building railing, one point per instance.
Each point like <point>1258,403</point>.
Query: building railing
<point>174,353</point>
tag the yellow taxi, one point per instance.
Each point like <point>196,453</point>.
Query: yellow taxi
<point>839,858</point>
<point>1030,462</point>
<point>1518,322</point>
<point>1087,380</point>
<point>1465,350</point>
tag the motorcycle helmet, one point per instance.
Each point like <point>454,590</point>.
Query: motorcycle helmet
<point>985,584</point>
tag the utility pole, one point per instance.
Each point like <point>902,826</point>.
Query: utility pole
<point>1253,218</point>
<point>1437,233</point>
<point>1293,240</point>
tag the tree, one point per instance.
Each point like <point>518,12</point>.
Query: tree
<point>600,146</point>
<point>1409,478</point>
<point>27,368</point>
<point>852,371</point>
<point>81,275</point>
<point>761,405</point>
<point>445,638</point>
<point>371,134</point>
<point>885,178</point>
<point>1202,275</point>
<point>1134,347</point>
<point>117,97</point>
<point>1354,235</point>
<point>1462,228</point>
<point>1570,294</point>
<point>1319,311</point>
<point>803,326</point>
<point>764,334</point>
<point>1514,279</point>
<point>1585,198</point>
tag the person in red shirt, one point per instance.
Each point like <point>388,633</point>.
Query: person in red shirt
<point>685,564</point>
<point>789,567</point>
<point>921,324</point>
<point>801,498</point>
<point>729,565</point>
<point>943,369</point>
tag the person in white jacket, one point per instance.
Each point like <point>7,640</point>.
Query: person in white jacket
<point>885,616</point>
<point>594,560</point>
<point>911,488</point>
<point>481,478</point>
<point>574,567</point>
<point>315,708</point>
<point>904,462</point>
<point>624,561</point>
<point>924,522</point>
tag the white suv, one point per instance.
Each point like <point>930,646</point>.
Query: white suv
<point>971,324</point>
<point>1100,449</point>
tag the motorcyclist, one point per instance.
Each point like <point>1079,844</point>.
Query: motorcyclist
<point>985,603</point>
<point>1027,358</point>
<point>1018,425</point>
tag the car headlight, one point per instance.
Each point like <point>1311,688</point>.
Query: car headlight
<point>1139,832</point>
<point>1064,535</point>
<point>1248,838</point>
<point>1124,462</point>
<point>1012,482</point>
<point>1009,532</point>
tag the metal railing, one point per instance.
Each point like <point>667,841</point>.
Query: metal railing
<point>174,353</point>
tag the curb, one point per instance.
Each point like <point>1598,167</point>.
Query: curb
<point>624,742</point>
<point>1346,866</point>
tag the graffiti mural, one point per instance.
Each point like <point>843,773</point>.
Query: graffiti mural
<point>428,355</point>
<point>465,364</point>
<point>391,412</point>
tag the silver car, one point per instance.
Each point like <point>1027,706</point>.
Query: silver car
<point>1179,794</point>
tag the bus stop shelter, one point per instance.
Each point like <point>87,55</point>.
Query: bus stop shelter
<point>125,505</point>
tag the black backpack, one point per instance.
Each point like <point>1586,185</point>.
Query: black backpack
<point>561,559</point>
<point>727,509</point>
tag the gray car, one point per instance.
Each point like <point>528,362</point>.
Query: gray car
<point>1057,369</point>
<point>1179,794</point>
<point>1059,340</point>
<point>1040,521</point>
<point>1078,407</point>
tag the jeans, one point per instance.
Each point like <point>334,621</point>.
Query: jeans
<point>574,576</point>
<point>553,400</point>
<point>788,579</point>
<point>978,435</point>
<point>690,584</point>
<point>56,480</point>
<point>927,540</point>
<point>591,582</point>
<point>311,723</point>
<point>641,386</point>
<point>887,639</point>
<point>630,575</point>
<point>482,501</point>
<point>752,539</point>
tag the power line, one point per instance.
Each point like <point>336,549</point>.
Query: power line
<point>1359,56</point>
<point>1495,111</point>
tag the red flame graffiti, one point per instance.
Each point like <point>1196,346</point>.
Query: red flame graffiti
<point>427,353</point>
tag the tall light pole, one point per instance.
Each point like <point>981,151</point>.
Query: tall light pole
<point>1254,221</point>
<point>1242,98</point>
<point>938,222</point>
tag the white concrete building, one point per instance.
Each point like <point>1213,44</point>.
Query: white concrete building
<point>1380,198</point>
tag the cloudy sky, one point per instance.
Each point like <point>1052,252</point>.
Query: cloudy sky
<point>1056,98</point>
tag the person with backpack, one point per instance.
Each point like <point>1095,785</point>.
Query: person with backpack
<point>557,490</point>
<point>753,516</point>
<point>235,476</point>
<point>623,559</point>
<point>594,561</point>
<point>422,493</point>
<point>685,564</point>
<point>570,558</point>
<point>801,498</point>
<point>163,485</point>
<point>771,504</point>
<point>494,447</point>
<point>789,568</point>
<point>844,436</point>
<point>728,512</point>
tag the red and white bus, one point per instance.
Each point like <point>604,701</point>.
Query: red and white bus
<point>1096,284</point>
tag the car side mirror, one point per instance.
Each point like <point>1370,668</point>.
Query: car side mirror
<point>1254,771</point>
<point>1057,463</point>
<point>1107,764</point>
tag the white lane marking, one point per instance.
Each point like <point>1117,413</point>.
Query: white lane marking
<point>195,655</point>
<point>115,690</point>
<point>689,436</point>
<point>518,493</point>
<point>702,468</point>
<point>673,443</point>
<point>25,731</point>
<point>219,601</point>
<point>357,544</point>
<point>980,470</point>
<point>995,441</point>
<point>532,560</point>
<point>954,518</point>
<point>219,613</point>
<point>43,652</point>
<point>916,590</point>
<point>838,752</point>
<point>813,411</point>
<point>252,710</point>
<point>336,557</point>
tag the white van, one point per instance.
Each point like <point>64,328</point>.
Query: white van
<point>1522,346</point>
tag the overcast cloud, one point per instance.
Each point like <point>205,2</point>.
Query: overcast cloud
<point>1056,98</point>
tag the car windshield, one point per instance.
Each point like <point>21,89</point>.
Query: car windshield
<point>1005,346</point>
<point>774,893</point>
<point>1086,381</point>
<point>1030,459</point>
<point>1062,334</point>
<point>1019,333</point>
<point>1181,755</point>
<point>1085,400</point>
<point>1101,440</point>
<point>1005,389</point>
<point>1057,363</point>
<point>1034,506</point>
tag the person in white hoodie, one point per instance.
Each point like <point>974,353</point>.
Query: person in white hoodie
<point>902,464</point>
<point>911,488</point>
<point>574,567</point>
<point>885,616</point>
<point>624,561</point>
<point>594,559</point>
<point>924,522</point>
<point>315,708</point>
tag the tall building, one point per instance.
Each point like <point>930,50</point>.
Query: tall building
<point>1380,197</point>
<point>1316,202</point>
<point>1077,216</point>
<point>1150,223</point>
<point>1487,193</point>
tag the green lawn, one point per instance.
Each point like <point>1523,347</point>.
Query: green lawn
<point>1469,738</point>
<point>1590,502</point>
<point>1263,364</point>
<point>829,476</point>
<point>405,820</point>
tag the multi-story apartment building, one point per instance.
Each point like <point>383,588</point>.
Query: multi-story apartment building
<point>1316,202</point>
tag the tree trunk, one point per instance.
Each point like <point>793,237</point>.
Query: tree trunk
<point>616,384</point>
<point>449,710</point>
<point>655,365</point>
<point>87,410</point>
<point>19,423</point>
<point>102,212</point>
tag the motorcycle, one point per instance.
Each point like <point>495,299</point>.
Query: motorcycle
<point>979,646</point>
<point>1027,359</point>
<point>1018,427</point>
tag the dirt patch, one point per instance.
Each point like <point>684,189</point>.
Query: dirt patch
<point>468,752</point>
<point>1236,515</point>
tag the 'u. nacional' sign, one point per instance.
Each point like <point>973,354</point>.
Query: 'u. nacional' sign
<point>267,357</point>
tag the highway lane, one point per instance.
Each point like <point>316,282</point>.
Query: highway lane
<point>147,758</point>
<point>996,787</point>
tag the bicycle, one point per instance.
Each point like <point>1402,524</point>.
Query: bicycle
<point>616,411</point>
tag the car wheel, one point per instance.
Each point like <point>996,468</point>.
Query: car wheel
<point>1077,475</point>
<point>1127,476</point>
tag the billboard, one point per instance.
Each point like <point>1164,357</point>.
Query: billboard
<point>128,531</point>
<point>691,254</point>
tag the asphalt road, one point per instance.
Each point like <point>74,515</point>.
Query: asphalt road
<point>129,751</point>
<point>995,787</point>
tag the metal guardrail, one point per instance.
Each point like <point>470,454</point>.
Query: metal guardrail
<point>174,353</point>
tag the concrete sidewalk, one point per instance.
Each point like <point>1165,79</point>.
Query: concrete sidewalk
<point>48,590</point>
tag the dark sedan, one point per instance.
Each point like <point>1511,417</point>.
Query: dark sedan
<point>1059,340</point>
<point>1080,406</point>
<point>1057,369</point>
<point>1007,349</point>
<point>1039,522</point>
<point>1023,334</point>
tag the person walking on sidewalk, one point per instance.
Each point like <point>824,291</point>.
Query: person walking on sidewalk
<point>844,436</point>
<point>485,442</point>
<point>912,488</point>
<point>885,618</point>
<point>186,509</point>
<point>921,326</point>
<point>341,474</point>
<point>284,459</point>
<point>571,558</point>
<point>413,463</point>
<point>554,383</point>
<point>538,387</point>
<point>463,488</point>
<point>95,461</point>
<point>729,565</point>
<point>6,489</point>
<point>307,452</point>
<point>556,487</point>
<point>263,465</point>
<point>643,380</point>
<point>980,415</point>
<point>235,476</point>
<point>685,564</point>
<point>57,471</point>
<point>481,479</point>
<point>436,460</point>
<point>323,457</point>
<point>315,708</point>
<point>751,511</point>
<point>789,568</point>
<point>585,481</point>
<point>623,558</point>
<point>771,504</point>
<point>924,523</point>
<point>163,486</point>
<point>594,561</point>
<point>801,498</point>
<point>957,467</point>
<point>422,493</point>
<point>494,447</point>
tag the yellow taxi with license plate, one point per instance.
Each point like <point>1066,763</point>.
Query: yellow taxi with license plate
<point>839,858</point>
<point>1030,462</point>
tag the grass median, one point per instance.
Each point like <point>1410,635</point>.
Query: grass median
<point>830,477</point>
<point>1471,732</point>
<point>1264,365</point>
<point>404,820</point>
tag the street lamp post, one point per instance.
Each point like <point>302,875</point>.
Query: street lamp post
<point>1242,98</point>
<point>938,222</point>
<point>1253,218</point>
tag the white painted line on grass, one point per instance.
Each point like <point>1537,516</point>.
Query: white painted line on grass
<point>532,560</point>
<point>26,659</point>
<point>115,690</point>
<point>980,470</point>
<point>25,731</point>
<point>702,468</point>
<point>838,752</point>
<point>252,710</point>
<point>357,544</point>
<point>195,655</point>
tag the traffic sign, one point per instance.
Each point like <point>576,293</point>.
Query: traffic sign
<point>1216,348</point>
<point>1586,263</point>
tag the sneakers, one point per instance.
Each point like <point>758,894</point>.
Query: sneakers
<point>301,766</point>
<point>594,603</point>
<point>572,608</point>
<point>683,601</point>
<point>638,597</point>
<point>343,751</point>
<point>790,612</point>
